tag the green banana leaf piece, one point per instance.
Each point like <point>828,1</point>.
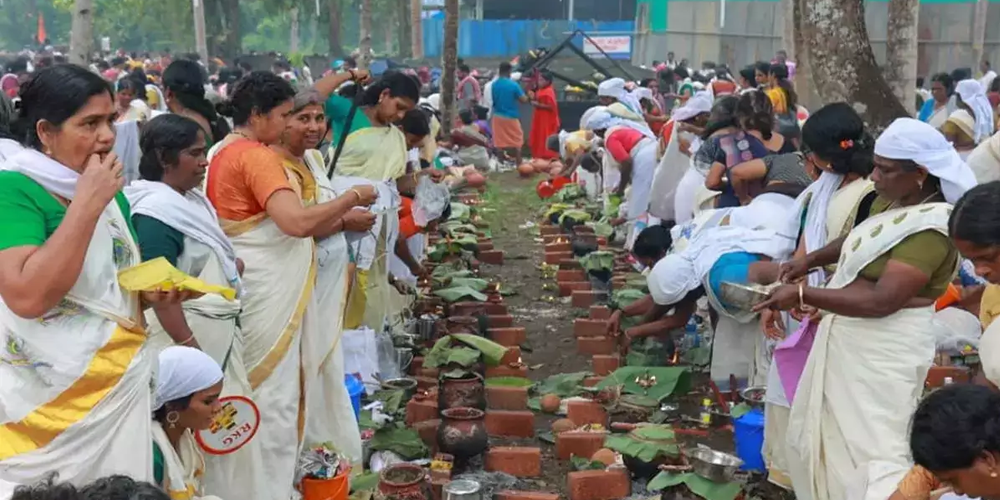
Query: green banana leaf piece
<point>579,463</point>
<point>391,399</point>
<point>438,355</point>
<point>460,212</point>
<point>401,441</point>
<point>645,443</point>
<point>601,228</point>
<point>669,379</point>
<point>477,284</point>
<point>491,351</point>
<point>447,269</point>
<point>508,382</point>
<point>366,481</point>
<point>625,297</point>
<point>600,260</point>
<point>564,385</point>
<point>698,485</point>
<point>463,356</point>
<point>457,293</point>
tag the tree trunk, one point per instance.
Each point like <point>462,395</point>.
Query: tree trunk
<point>293,36</point>
<point>842,63</point>
<point>804,86</point>
<point>81,38</point>
<point>901,51</point>
<point>450,56</point>
<point>200,40</point>
<point>233,42</point>
<point>403,35</point>
<point>333,35</point>
<point>417,28</point>
<point>390,32</point>
<point>365,44</point>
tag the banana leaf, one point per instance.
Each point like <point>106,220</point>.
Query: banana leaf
<point>698,356</point>
<point>739,410</point>
<point>564,385</point>
<point>463,356</point>
<point>391,399</point>
<point>669,379</point>
<point>647,351</point>
<point>601,228</point>
<point>457,293</point>
<point>460,212</point>
<point>447,269</point>
<point>366,481</point>
<point>508,382</point>
<point>492,352</point>
<point>446,277</point>
<point>577,215</point>
<point>698,485</point>
<point>569,193</point>
<point>626,297</point>
<point>646,443</point>
<point>401,441</point>
<point>438,355</point>
<point>557,208</point>
<point>579,463</point>
<point>476,284</point>
<point>598,261</point>
<point>457,227</point>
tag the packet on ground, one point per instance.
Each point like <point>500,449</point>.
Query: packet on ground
<point>159,274</point>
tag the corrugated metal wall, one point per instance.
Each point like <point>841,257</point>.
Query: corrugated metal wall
<point>505,39</point>
<point>752,32</point>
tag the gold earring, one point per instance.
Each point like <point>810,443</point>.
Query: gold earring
<point>993,474</point>
<point>172,419</point>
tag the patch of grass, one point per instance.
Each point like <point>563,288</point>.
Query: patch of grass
<point>510,201</point>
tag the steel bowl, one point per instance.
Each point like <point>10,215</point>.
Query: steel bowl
<point>754,396</point>
<point>744,296</point>
<point>713,465</point>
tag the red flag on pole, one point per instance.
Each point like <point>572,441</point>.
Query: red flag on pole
<point>41,29</point>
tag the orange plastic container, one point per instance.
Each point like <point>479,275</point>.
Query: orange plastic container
<point>951,296</point>
<point>337,488</point>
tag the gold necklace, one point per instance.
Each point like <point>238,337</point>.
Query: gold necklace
<point>925,200</point>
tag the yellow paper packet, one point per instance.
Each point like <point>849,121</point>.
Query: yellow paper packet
<point>159,274</point>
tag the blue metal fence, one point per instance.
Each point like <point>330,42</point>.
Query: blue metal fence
<point>507,38</point>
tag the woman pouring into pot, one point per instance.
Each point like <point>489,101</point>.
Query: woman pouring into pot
<point>890,270</point>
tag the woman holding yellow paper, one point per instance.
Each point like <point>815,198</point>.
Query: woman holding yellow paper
<point>174,220</point>
<point>263,209</point>
<point>74,373</point>
<point>329,415</point>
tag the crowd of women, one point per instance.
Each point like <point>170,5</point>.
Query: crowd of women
<point>96,380</point>
<point>856,240</point>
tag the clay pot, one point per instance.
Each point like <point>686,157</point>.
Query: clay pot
<point>403,482</point>
<point>462,433</point>
<point>525,170</point>
<point>475,179</point>
<point>471,309</point>
<point>583,244</point>
<point>467,392</point>
<point>463,324</point>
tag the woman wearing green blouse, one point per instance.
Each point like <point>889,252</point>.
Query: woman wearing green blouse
<point>174,220</point>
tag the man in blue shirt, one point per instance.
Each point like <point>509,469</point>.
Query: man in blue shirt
<point>507,96</point>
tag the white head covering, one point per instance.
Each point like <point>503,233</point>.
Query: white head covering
<point>434,101</point>
<point>700,102</point>
<point>184,371</point>
<point>964,121</point>
<point>602,119</point>
<point>587,114</point>
<point>973,94</point>
<point>645,93</point>
<point>909,139</point>
<point>615,87</point>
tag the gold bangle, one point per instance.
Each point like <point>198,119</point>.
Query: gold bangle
<point>802,302</point>
<point>187,341</point>
<point>355,191</point>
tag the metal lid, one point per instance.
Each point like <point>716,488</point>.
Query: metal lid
<point>462,487</point>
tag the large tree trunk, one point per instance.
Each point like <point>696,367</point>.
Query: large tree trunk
<point>450,56</point>
<point>233,42</point>
<point>417,28</point>
<point>804,86</point>
<point>81,38</point>
<point>333,35</point>
<point>365,44</point>
<point>842,63</point>
<point>403,36</point>
<point>901,52</point>
<point>293,37</point>
<point>200,36</point>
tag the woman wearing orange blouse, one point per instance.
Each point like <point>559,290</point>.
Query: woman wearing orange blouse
<point>262,208</point>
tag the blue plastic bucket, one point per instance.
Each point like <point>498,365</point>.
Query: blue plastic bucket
<point>748,431</point>
<point>354,389</point>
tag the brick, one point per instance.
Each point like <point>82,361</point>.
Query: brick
<point>505,321</point>
<point>605,364</point>
<point>421,411</point>
<point>426,383</point>
<point>428,431</point>
<point>430,372</point>
<point>496,309</point>
<point>570,275</point>
<point>507,336</point>
<point>513,355</point>
<point>516,461</point>
<point>937,374</point>
<point>494,257</point>
<point>567,288</point>
<point>585,298</point>
<point>526,495</point>
<point>550,230</point>
<point>610,484</point>
<point>600,312</point>
<point>592,381</point>
<point>556,257</point>
<point>583,230</point>
<point>558,247</point>
<point>507,398</point>
<point>597,345</point>
<point>569,264</point>
<point>510,423</point>
<point>579,443</point>
<point>416,365</point>
<point>586,412</point>
<point>484,246</point>
<point>602,241</point>
<point>507,371</point>
<point>583,327</point>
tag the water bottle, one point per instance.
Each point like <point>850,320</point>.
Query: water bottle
<point>691,337</point>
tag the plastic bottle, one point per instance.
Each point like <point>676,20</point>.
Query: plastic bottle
<point>705,417</point>
<point>948,381</point>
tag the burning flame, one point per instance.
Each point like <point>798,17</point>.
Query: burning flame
<point>674,359</point>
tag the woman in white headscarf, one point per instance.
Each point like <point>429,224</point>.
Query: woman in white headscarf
<point>668,190</point>
<point>619,101</point>
<point>972,97</point>
<point>631,154</point>
<point>847,434</point>
<point>188,386</point>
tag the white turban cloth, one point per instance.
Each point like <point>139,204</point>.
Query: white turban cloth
<point>184,371</point>
<point>615,88</point>
<point>699,103</point>
<point>909,139</point>
<point>974,95</point>
<point>587,114</point>
<point>602,119</point>
<point>645,93</point>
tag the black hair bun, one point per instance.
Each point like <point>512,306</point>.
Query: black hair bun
<point>225,108</point>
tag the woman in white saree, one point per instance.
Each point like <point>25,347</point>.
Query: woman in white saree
<point>188,386</point>
<point>329,415</point>
<point>174,220</point>
<point>74,373</point>
<point>866,370</point>
<point>262,208</point>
